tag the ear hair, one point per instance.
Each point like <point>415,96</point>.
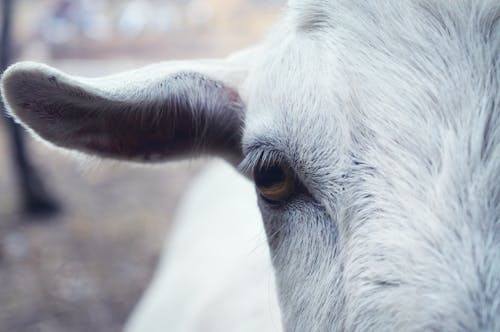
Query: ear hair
<point>144,115</point>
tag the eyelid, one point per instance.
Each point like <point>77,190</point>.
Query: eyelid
<point>261,158</point>
<point>255,153</point>
<point>261,155</point>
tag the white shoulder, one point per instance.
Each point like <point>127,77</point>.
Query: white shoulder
<point>215,273</point>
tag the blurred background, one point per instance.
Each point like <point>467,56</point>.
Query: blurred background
<point>82,263</point>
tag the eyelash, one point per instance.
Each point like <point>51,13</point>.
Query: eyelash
<point>276,181</point>
<point>260,158</point>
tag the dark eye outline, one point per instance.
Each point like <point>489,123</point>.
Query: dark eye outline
<point>275,181</point>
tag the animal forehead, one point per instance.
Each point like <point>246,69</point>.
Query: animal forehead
<point>295,81</point>
<point>314,92</point>
<point>291,107</point>
<point>423,51</point>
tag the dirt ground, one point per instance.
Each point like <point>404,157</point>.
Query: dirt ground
<point>84,269</point>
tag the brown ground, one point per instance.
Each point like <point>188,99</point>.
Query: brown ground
<point>84,269</point>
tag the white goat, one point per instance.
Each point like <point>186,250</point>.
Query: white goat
<point>371,129</point>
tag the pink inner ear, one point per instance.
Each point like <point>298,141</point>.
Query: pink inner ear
<point>174,117</point>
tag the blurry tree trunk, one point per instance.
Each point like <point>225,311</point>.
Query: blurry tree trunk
<point>34,196</point>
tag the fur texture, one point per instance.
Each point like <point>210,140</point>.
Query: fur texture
<point>393,126</point>
<point>157,113</point>
<point>388,113</point>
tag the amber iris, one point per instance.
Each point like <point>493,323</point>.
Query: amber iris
<point>275,182</point>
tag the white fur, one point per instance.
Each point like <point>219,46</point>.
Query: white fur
<point>215,273</point>
<point>388,113</point>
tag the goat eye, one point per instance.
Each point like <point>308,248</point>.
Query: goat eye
<point>275,182</point>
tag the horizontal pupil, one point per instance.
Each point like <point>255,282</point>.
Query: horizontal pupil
<point>267,177</point>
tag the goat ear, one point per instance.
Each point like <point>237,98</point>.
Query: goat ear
<point>157,113</point>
